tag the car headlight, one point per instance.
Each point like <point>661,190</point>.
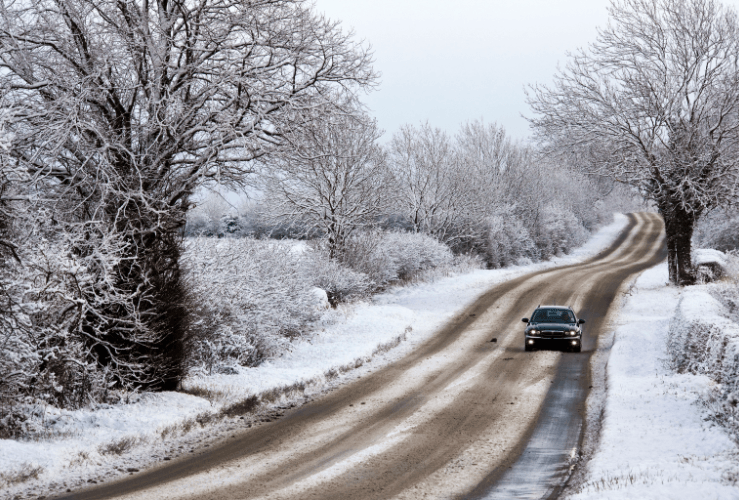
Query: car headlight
<point>533,332</point>
<point>573,332</point>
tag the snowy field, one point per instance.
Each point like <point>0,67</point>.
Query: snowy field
<point>655,441</point>
<point>107,441</point>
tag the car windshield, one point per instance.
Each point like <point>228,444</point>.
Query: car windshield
<point>547,315</point>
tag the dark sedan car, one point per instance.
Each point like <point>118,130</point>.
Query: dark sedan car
<point>553,324</point>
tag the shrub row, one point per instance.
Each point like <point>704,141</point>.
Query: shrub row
<point>252,297</point>
<point>704,340</point>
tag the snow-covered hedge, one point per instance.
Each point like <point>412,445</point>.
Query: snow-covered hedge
<point>250,297</point>
<point>718,229</point>
<point>710,264</point>
<point>389,256</point>
<point>704,339</point>
<point>510,235</point>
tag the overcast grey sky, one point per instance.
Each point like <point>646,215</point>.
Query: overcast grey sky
<point>452,61</point>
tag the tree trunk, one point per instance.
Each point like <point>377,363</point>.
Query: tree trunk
<point>679,224</point>
<point>142,338</point>
<point>165,312</point>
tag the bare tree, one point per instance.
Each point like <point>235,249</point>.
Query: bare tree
<point>499,169</point>
<point>488,154</point>
<point>435,194</point>
<point>126,107</point>
<point>654,103</point>
<point>330,177</point>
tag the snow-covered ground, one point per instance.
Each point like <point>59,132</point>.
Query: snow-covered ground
<point>109,440</point>
<point>655,441</point>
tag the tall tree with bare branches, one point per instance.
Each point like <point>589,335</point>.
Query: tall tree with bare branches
<point>435,191</point>
<point>331,178</point>
<point>125,107</point>
<point>654,102</point>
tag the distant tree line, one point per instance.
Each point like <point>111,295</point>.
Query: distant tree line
<point>478,192</point>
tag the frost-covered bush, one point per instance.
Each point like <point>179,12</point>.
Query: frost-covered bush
<point>718,229</point>
<point>47,356</point>
<point>385,257</point>
<point>340,283</point>
<point>507,241</point>
<point>697,346</point>
<point>531,232</point>
<point>710,264</point>
<point>703,340</point>
<point>557,231</point>
<point>412,253</point>
<point>368,253</point>
<point>250,298</point>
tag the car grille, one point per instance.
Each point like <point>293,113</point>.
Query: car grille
<point>552,333</point>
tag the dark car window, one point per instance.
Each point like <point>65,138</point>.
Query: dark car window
<point>546,315</point>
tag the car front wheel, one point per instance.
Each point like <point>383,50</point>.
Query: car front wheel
<point>528,347</point>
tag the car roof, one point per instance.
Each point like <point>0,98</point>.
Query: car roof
<point>554,307</point>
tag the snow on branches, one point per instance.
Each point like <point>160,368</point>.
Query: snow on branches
<point>120,111</point>
<point>330,177</point>
<point>654,103</point>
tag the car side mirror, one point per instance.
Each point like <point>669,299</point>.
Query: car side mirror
<point>525,320</point>
<point>580,321</point>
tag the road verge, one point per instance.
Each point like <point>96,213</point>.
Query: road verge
<point>656,437</point>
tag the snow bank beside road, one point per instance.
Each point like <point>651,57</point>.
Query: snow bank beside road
<point>655,441</point>
<point>711,264</point>
<point>703,340</point>
<point>149,429</point>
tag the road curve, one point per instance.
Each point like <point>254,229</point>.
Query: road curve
<point>460,417</point>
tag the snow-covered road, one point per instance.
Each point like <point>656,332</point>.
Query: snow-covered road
<point>455,413</point>
<point>152,426</point>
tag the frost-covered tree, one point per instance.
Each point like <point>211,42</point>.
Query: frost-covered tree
<point>126,107</point>
<point>435,193</point>
<point>329,177</point>
<point>9,258</point>
<point>491,159</point>
<point>654,102</point>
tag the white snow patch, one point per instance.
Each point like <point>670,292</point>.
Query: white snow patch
<point>703,256</point>
<point>321,298</point>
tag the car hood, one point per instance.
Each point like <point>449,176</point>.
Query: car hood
<point>556,327</point>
